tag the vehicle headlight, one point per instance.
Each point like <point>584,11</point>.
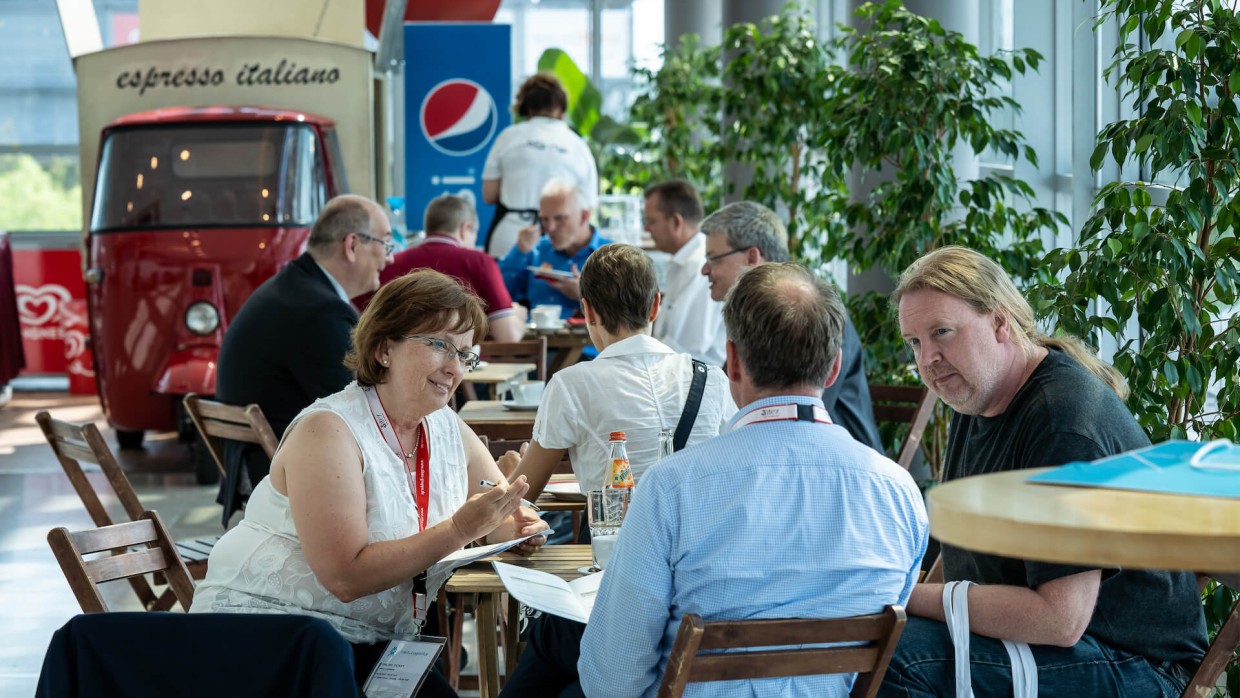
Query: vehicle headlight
<point>202,318</point>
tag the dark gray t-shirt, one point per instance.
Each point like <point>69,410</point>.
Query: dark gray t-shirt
<point>1064,413</point>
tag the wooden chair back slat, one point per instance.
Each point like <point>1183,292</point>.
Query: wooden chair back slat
<point>525,351</point>
<point>767,665</point>
<point>878,634</point>
<point>75,444</point>
<point>904,404</point>
<point>217,420</point>
<point>1218,656</point>
<point>138,548</point>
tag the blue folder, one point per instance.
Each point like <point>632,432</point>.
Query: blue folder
<point>1175,467</point>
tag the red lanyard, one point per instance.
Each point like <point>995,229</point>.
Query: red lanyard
<point>783,413</point>
<point>420,477</point>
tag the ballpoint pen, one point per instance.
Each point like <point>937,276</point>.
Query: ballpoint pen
<point>526,502</point>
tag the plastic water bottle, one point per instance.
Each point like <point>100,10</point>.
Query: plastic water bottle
<point>396,217</point>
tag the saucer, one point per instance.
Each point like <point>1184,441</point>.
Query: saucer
<point>550,328</point>
<point>565,491</point>
<point>518,407</point>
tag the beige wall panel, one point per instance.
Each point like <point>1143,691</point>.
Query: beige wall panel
<point>333,20</point>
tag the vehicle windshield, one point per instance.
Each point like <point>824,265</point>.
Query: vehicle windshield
<point>209,175</point>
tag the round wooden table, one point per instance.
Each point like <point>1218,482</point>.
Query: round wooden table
<point>1003,514</point>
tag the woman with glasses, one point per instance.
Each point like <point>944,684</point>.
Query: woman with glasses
<point>374,484</point>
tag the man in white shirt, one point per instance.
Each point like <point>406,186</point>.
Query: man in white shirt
<point>690,320</point>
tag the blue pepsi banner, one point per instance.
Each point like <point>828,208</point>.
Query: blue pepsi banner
<point>457,87</point>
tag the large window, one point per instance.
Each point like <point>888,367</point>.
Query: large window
<point>629,32</point>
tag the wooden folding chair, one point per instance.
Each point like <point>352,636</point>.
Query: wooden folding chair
<point>138,548</point>
<point>75,444</point>
<point>904,404</point>
<point>1221,652</point>
<point>217,420</point>
<point>526,351</point>
<point>694,658</point>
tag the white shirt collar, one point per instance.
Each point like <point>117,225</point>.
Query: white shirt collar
<point>335,284</point>
<point>641,343</point>
<point>692,252</point>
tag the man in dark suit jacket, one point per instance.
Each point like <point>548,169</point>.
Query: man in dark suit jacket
<point>745,234</point>
<point>286,346</point>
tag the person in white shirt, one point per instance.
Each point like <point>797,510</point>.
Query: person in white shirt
<point>636,385</point>
<point>690,320</point>
<point>527,155</point>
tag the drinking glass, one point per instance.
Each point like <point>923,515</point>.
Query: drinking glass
<point>604,512</point>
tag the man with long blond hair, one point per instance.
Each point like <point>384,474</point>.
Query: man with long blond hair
<point>1023,399</point>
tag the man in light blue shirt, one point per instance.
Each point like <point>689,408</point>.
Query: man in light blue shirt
<point>569,242</point>
<point>783,516</point>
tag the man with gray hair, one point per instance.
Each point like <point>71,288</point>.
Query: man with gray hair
<point>745,234</point>
<point>698,536</point>
<point>286,346</point>
<point>544,271</point>
<point>451,226</point>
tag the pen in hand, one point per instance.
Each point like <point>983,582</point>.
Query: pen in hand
<point>526,502</point>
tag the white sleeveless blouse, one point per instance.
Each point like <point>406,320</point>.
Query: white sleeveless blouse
<point>259,566</point>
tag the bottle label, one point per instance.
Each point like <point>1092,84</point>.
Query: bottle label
<point>621,473</point>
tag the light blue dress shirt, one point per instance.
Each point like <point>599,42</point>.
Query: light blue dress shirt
<point>522,283</point>
<point>785,519</point>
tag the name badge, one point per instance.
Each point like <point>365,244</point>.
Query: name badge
<point>403,667</point>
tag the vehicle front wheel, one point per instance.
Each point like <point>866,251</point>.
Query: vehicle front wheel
<point>129,440</point>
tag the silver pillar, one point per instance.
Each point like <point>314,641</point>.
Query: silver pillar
<point>701,17</point>
<point>736,12</point>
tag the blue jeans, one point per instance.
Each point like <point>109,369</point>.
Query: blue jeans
<point>924,664</point>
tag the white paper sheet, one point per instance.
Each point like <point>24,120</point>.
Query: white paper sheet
<point>550,594</point>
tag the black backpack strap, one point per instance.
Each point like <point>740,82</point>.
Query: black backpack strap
<point>696,389</point>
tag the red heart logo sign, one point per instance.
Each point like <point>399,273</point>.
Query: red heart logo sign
<point>35,306</point>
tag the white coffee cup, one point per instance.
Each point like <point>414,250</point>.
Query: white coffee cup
<point>523,393</point>
<point>545,317</point>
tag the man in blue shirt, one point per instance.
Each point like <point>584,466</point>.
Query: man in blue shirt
<point>569,242</point>
<point>785,515</point>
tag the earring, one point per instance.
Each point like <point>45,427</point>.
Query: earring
<point>385,362</point>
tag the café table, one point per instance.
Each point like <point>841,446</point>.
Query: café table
<point>1002,514</point>
<point>569,342</point>
<point>491,419</point>
<point>564,561</point>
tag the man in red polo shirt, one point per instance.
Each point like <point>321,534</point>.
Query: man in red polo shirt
<point>451,226</point>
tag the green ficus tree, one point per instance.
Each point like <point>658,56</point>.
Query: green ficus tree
<point>1163,258</point>
<point>915,91</point>
<point>780,80</point>
<point>679,107</point>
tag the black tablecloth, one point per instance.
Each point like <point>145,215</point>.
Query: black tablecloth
<point>196,654</point>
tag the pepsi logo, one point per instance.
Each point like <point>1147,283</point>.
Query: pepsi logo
<point>458,117</point>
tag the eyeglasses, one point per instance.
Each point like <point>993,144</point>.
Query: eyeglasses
<point>389,246</point>
<point>710,261</point>
<point>448,351</point>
